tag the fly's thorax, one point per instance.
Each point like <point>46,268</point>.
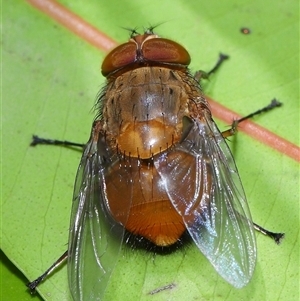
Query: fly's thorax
<point>143,109</point>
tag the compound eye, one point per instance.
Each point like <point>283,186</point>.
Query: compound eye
<point>165,51</point>
<point>119,57</point>
<point>145,50</point>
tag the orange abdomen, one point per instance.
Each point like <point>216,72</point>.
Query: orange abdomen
<point>141,204</point>
<point>157,221</point>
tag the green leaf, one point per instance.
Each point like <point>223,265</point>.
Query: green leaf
<point>50,80</point>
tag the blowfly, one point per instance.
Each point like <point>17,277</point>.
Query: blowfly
<point>156,166</point>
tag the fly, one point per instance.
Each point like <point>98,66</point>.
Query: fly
<point>156,166</point>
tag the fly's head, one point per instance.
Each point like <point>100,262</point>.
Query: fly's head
<point>146,49</point>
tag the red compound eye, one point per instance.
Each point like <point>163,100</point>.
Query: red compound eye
<point>145,48</point>
<point>119,57</point>
<point>165,51</point>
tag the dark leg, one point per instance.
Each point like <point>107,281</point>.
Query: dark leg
<point>37,140</point>
<point>32,285</point>
<point>222,58</point>
<point>277,237</point>
<point>202,74</point>
<point>274,104</point>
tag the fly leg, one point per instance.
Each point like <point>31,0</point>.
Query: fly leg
<point>277,237</point>
<point>32,285</point>
<point>205,75</point>
<point>233,129</point>
<point>37,140</point>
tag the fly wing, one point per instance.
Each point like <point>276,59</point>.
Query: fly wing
<point>203,185</point>
<point>95,239</point>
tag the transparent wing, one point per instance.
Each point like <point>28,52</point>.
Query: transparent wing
<point>203,185</point>
<point>95,239</point>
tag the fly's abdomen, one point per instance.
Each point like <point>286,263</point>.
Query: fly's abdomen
<point>138,200</point>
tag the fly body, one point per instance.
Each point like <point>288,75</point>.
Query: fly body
<point>143,120</point>
<point>156,166</point>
